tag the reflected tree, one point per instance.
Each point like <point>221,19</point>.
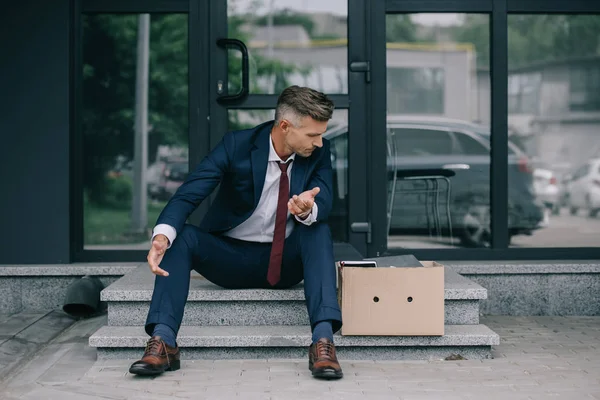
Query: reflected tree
<point>534,38</point>
<point>109,68</point>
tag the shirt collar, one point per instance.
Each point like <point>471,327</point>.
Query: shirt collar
<point>273,155</point>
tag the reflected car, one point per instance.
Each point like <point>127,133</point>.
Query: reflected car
<point>173,174</point>
<point>546,189</point>
<point>417,143</point>
<point>582,190</point>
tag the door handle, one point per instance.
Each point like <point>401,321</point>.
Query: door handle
<point>456,166</point>
<point>226,43</point>
<point>362,66</point>
<point>362,227</point>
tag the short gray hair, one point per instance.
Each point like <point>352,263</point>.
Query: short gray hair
<point>303,102</point>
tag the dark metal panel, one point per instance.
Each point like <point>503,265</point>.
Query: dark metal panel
<point>135,6</point>
<point>553,6</point>
<point>377,188</point>
<point>499,139</point>
<point>76,156</point>
<point>464,254</point>
<point>197,82</point>
<point>358,153</point>
<point>456,6</point>
<point>107,256</point>
<point>218,70</point>
<point>198,86</point>
<point>34,128</point>
<point>584,253</point>
<point>521,254</point>
<point>269,101</point>
<point>484,6</point>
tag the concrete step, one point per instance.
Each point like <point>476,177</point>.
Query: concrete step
<point>235,342</point>
<point>208,304</point>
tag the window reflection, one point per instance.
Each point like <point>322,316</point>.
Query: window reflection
<point>415,90</point>
<point>554,100</point>
<point>117,215</point>
<point>438,116</point>
<point>290,43</point>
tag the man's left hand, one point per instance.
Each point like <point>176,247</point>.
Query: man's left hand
<point>301,205</point>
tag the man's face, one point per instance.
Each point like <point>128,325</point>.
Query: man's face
<point>305,137</point>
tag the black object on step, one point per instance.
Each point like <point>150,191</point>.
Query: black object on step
<point>83,297</point>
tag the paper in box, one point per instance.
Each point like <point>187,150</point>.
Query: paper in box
<point>395,301</point>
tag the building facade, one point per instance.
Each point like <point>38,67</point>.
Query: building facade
<point>108,104</point>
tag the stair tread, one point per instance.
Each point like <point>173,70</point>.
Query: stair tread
<point>138,285</point>
<point>287,336</point>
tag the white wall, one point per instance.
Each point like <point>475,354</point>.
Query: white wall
<point>462,99</point>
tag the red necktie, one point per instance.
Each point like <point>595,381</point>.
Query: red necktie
<point>274,272</point>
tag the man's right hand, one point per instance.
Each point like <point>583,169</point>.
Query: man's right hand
<point>156,253</point>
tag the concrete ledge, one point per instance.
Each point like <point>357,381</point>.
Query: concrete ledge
<point>240,313</point>
<point>523,267</point>
<point>287,336</point>
<point>80,269</point>
<point>536,288</point>
<point>345,354</point>
<point>139,284</point>
<point>43,287</point>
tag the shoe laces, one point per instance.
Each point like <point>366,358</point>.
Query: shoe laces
<point>325,349</point>
<point>155,347</point>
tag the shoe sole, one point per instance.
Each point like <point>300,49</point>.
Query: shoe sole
<point>144,371</point>
<point>325,373</point>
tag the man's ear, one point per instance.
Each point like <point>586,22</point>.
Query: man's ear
<point>284,125</point>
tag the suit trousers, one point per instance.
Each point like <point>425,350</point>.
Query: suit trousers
<point>236,264</point>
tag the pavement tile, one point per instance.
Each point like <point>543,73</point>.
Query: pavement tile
<point>542,358</point>
<point>380,395</point>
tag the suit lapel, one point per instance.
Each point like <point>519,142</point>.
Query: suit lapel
<point>298,172</point>
<point>260,159</point>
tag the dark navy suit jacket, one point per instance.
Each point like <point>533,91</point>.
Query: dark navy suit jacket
<point>239,164</point>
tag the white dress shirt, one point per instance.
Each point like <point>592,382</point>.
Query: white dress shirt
<point>259,227</point>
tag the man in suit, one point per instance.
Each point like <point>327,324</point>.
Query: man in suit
<point>265,229</point>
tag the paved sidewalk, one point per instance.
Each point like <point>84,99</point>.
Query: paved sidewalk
<point>538,358</point>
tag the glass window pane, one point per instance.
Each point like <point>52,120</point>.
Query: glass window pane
<point>438,118</point>
<point>337,134</point>
<point>415,90</point>
<point>121,204</point>
<point>554,190</point>
<point>421,142</point>
<point>290,43</point>
<point>470,145</point>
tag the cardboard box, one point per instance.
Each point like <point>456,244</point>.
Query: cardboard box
<point>406,301</point>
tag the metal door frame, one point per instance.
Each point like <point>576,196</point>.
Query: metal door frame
<point>357,99</point>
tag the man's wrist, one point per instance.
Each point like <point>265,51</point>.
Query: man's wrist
<point>305,215</point>
<point>161,238</point>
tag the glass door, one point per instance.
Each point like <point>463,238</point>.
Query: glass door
<point>258,48</point>
<point>140,118</point>
<point>431,136</point>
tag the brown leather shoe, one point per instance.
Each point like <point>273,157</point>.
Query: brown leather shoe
<point>322,360</point>
<point>158,358</point>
